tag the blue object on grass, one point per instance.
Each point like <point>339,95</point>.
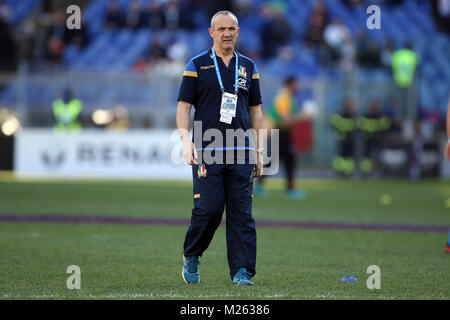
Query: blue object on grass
<point>349,279</point>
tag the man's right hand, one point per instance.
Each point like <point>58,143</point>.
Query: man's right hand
<point>258,170</point>
<point>190,153</point>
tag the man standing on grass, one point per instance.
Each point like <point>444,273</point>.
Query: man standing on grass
<point>283,114</point>
<point>223,86</point>
<point>447,155</point>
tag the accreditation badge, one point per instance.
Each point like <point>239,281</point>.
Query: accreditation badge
<point>228,105</point>
<point>201,170</point>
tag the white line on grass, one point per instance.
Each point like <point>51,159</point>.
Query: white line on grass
<point>179,296</point>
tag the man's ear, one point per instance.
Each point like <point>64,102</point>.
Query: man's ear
<point>210,30</point>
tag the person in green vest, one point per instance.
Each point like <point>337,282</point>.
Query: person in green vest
<point>404,62</point>
<point>373,125</point>
<point>66,112</point>
<point>282,114</point>
<point>344,124</point>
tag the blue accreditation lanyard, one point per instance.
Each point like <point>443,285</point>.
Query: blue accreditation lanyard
<point>236,76</point>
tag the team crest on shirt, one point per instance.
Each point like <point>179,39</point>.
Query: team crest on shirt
<point>242,72</point>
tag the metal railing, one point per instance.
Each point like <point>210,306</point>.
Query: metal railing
<point>151,98</point>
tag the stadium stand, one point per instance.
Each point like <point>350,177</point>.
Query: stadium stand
<point>120,49</point>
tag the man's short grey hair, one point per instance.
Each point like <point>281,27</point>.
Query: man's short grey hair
<point>225,13</point>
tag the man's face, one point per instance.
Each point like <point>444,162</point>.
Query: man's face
<point>225,32</point>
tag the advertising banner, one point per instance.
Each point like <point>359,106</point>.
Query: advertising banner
<point>100,154</point>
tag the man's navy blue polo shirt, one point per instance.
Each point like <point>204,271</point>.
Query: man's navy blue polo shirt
<point>200,87</point>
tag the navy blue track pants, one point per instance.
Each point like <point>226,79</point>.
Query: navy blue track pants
<point>230,186</point>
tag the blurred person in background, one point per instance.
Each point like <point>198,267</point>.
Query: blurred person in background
<point>344,124</point>
<point>134,18</point>
<point>276,30</point>
<point>176,54</point>
<point>416,153</point>
<point>441,14</point>
<point>164,58</point>
<point>77,37</point>
<point>283,114</point>
<point>6,14</point>
<point>43,39</point>
<point>386,53</point>
<point>316,26</point>
<point>154,57</point>
<point>188,9</point>
<point>243,7</point>
<point>337,36</point>
<point>447,156</point>
<point>178,14</point>
<point>404,62</point>
<point>55,36</point>
<point>176,49</point>
<point>29,43</point>
<point>373,124</point>
<point>154,17</point>
<point>8,56</point>
<point>158,50</point>
<point>172,14</point>
<point>114,17</point>
<point>361,40</point>
<point>348,55</point>
<point>66,112</point>
<point>368,53</point>
<point>120,119</point>
<point>392,110</point>
<point>447,148</point>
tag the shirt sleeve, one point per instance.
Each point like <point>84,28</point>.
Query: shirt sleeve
<point>255,97</point>
<point>188,87</point>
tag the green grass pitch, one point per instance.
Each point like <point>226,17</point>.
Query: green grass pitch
<point>127,261</point>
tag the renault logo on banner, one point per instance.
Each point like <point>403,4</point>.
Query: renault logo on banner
<point>53,155</point>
